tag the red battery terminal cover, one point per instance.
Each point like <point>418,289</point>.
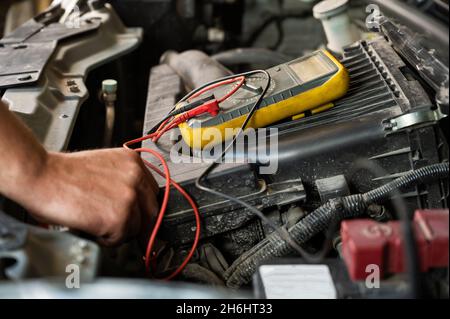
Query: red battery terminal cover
<point>367,242</point>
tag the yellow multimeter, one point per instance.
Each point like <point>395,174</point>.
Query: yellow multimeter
<point>304,84</point>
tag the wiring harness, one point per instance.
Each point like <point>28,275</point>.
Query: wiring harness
<point>241,271</point>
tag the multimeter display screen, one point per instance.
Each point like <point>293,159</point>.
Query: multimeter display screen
<point>312,68</point>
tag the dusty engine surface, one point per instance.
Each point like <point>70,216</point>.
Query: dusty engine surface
<point>372,160</point>
<point>321,157</point>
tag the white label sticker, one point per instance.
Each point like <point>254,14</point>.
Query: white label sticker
<point>297,282</point>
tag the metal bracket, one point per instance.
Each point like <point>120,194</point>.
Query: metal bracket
<point>421,117</point>
<point>26,51</point>
<point>12,234</point>
<point>39,252</point>
<point>23,63</point>
<point>50,106</point>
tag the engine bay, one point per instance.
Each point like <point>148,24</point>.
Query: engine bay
<point>346,167</point>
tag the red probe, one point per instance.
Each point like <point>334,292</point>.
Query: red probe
<point>211,107</point>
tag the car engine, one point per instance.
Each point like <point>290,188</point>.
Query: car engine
<point>358,182</point>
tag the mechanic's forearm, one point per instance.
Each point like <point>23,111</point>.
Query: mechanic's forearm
<point>85,190</point>
<point>22,156</point>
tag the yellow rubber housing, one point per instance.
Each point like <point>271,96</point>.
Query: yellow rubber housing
<point>331,90</point>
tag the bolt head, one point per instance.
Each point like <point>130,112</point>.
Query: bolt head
<point>74,89</point>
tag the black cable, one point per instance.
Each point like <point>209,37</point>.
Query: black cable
<point>184,108</point>
<point>187,96</point>
<point>280,30</point>
<point>280,230</point>
<point>280,37</point>
<point>411,256</point>
<point>242,269</point>
<point>198,183</point>
<point>278,18</point>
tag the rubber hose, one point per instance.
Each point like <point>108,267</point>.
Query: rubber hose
<point>421,175</point>
<point>336,210</point>
<point>195,67</point>
<point>240,56</point>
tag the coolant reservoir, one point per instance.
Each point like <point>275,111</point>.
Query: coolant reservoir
<point>336,23</point>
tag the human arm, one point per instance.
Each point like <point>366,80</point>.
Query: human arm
<point>107,193</point>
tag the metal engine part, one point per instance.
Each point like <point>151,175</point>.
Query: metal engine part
<point>33,252</point>
<point>50,107</point>
<point>390,118</point>
<point>314,151</point>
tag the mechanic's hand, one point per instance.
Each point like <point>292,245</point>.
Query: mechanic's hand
<point>107,193</point>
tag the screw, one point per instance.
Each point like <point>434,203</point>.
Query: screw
<point>74,89</point>
<point>83,245</point>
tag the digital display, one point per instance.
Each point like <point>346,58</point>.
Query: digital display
<point>312,68</point>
